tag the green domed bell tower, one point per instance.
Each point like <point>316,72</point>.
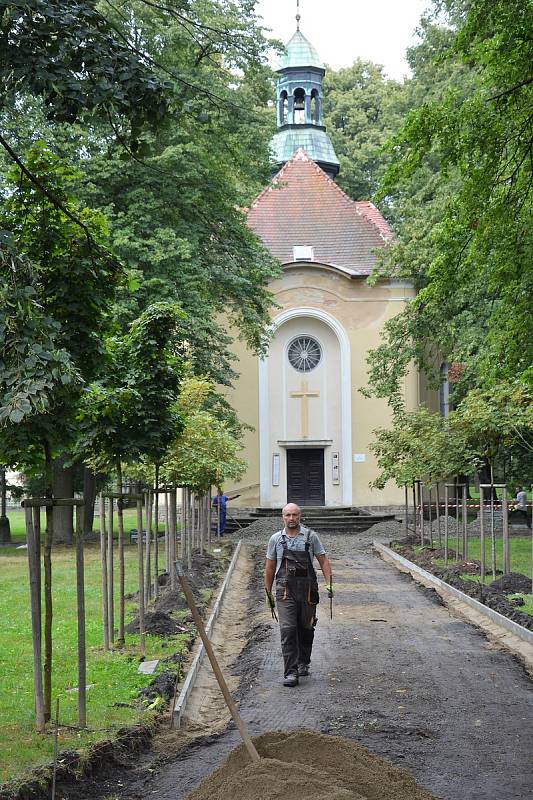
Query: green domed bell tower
<point>299,106</point>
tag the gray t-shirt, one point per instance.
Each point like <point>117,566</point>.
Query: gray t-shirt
<point>275,545</point>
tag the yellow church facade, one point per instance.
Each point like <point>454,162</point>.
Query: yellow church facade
<point>311,427</point>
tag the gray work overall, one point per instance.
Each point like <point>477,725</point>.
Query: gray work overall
<point>296,598</point>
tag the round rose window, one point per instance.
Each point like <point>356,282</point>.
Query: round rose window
<point>304,353</point>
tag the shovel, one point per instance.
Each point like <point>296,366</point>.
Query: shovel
<point>252,752</point>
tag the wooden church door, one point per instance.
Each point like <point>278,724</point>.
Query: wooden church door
<point>305,476</point>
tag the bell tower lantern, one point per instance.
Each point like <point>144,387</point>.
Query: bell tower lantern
<point>299,106</point>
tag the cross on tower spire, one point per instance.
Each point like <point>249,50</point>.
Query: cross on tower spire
<point>298,17</point>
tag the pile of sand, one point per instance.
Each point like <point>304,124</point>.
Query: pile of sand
<point>302,765</point>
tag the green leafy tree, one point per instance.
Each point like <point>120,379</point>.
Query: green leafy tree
<point>176,207</point>
<point>421,445</point>
<point>171,138</point>
<point>59,282</point>
<point>363,109</point>
<point>129,413</point>
<point>206,452</point>
<point>491,420</point>
<point>472,263</point>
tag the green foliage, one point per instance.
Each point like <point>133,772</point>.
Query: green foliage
<point>363,109</point>
<point>421,445</point>
<point>56,290</point>
<point>176,208</point>
<point>72,57</point>
<point>173,193</point>
<point>468,247</point>
<point>35,372</point>
<point>492,419</point>
<point>129,412</point>
<point>77,276</point>
<point>206,452</point>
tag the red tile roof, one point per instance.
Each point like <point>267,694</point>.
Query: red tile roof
<point>302,206</point>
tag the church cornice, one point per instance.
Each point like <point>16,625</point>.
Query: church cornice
<point>299,126</point>
<point>346,271</point>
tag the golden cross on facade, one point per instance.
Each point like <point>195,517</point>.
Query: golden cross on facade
<point>304,394</point>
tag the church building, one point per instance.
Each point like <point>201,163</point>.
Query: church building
<point>311,425</point>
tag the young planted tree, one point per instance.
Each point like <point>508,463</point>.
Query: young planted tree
<point>421,445</point>
<point>206,452</point>
<point>490,420</point>
<point>129,413</point>
<point>55,300</point>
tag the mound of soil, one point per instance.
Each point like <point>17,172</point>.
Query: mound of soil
<point>303,764</point>
<point>162,686</point>
<point>157,623</point>
<point>514,582</point>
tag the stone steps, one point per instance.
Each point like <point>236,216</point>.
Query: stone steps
<point>322,520</point>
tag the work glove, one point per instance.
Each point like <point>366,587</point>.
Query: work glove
<point>329,590</point>
<point>271,603</point>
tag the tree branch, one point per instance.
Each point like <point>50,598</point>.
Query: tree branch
<point>512,89</point>
<point>53,199</point>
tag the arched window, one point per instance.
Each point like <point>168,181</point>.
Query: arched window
<point>299,106</point>
<point>283,108</point>
<point>315,107</point>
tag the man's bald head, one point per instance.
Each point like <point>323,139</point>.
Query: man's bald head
<point>291,516</point>
<point>291,507</point>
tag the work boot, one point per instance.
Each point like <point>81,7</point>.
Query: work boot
<point>303,670</point>
<point>291,680</point>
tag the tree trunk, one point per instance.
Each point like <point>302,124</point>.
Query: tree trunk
<point>103,557</point>
<point>167,535</point>
<point>156,533</point>
<point>5,531</point>
<point>121,580</point>
<point>140,556</point>
<point>148,566</point>
<point>172,524</point>
<point>188,529</point>
<point>47,560</point>
<point>111,575</point>
<point>63,486</point>
<point>34,563</point>
<point>89,495</point>
<point>80,606</point>
<point>486,477</point>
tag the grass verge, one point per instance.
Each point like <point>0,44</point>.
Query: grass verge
<point>520,557</point>
<point>113,678</point>
<point>18,529</point>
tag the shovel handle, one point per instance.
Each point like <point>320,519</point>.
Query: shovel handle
<point>252,752</point>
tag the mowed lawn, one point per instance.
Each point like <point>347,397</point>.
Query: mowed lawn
<point>112,676</point>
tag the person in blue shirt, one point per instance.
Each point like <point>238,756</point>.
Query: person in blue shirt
<point>289,559</point>
<point>223,499</point>
<point>220,518</point>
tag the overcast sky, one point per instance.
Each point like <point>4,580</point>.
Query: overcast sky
<point>342,30</point>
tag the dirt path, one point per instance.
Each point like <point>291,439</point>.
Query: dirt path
<point>394,671</point>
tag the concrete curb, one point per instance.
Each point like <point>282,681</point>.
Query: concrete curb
<point>192,673</point>
<point>445,588</point>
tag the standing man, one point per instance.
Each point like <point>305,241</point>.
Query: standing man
<point>289,559</point>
